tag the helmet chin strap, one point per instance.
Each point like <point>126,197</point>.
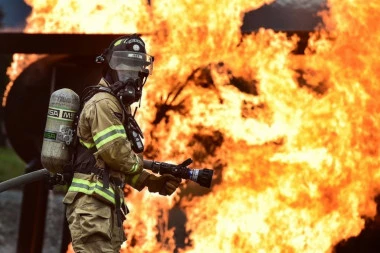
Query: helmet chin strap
<point>143,76</point>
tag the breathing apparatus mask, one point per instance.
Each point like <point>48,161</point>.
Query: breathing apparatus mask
<point>128,66</point>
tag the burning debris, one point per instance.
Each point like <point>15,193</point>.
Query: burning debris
<point>170,104</point>
<point>295,137</point>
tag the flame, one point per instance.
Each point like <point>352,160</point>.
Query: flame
<point>295,153</point>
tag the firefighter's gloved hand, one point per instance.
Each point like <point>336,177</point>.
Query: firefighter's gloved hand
<point>165,184</point>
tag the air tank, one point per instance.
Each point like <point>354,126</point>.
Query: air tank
<point>59,130</point>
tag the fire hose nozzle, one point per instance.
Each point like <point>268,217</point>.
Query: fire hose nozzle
<point>201,176</point>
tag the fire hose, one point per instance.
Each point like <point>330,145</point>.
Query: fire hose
<point>201,176</point>
<point>25,179</point>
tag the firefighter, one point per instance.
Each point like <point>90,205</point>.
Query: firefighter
<point>109,151</point>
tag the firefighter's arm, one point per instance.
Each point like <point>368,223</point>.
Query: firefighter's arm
<point>111,140</point>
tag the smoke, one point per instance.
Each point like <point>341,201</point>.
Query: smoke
<point>301,4</point>
<point>1,17</point>
<point>16,29</point>
<point>283,15</point>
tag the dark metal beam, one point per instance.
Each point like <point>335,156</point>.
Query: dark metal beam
<point>80,44</point>
<point>27,43</point>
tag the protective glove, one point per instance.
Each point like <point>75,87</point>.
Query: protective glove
<point>165,184</point>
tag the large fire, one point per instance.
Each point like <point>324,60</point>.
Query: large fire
<point>295,152</point>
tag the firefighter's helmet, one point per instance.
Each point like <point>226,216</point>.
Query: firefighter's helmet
<point>126,57</point>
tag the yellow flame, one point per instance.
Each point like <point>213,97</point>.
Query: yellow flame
<point>297,163</point>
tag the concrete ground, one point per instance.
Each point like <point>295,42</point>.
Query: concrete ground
<point>10,210</point>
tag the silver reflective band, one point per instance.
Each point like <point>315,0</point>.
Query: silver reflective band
<point>135,56</point>
<point>194,174</point>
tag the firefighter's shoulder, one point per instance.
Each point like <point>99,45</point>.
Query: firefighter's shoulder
<point>102,99</point>
<point>102,103</point>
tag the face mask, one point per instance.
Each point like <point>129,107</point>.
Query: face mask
<point>129,71</point>
<point>129,91</point>
<point>124,75</point>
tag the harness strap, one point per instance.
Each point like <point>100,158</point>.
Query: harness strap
<point>106,178</point>
<point>85,163</point>
<point>119,216</point>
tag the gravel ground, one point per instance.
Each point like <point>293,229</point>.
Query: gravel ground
<point>10,210</point>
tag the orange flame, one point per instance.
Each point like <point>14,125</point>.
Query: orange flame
<point>297,163</point>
